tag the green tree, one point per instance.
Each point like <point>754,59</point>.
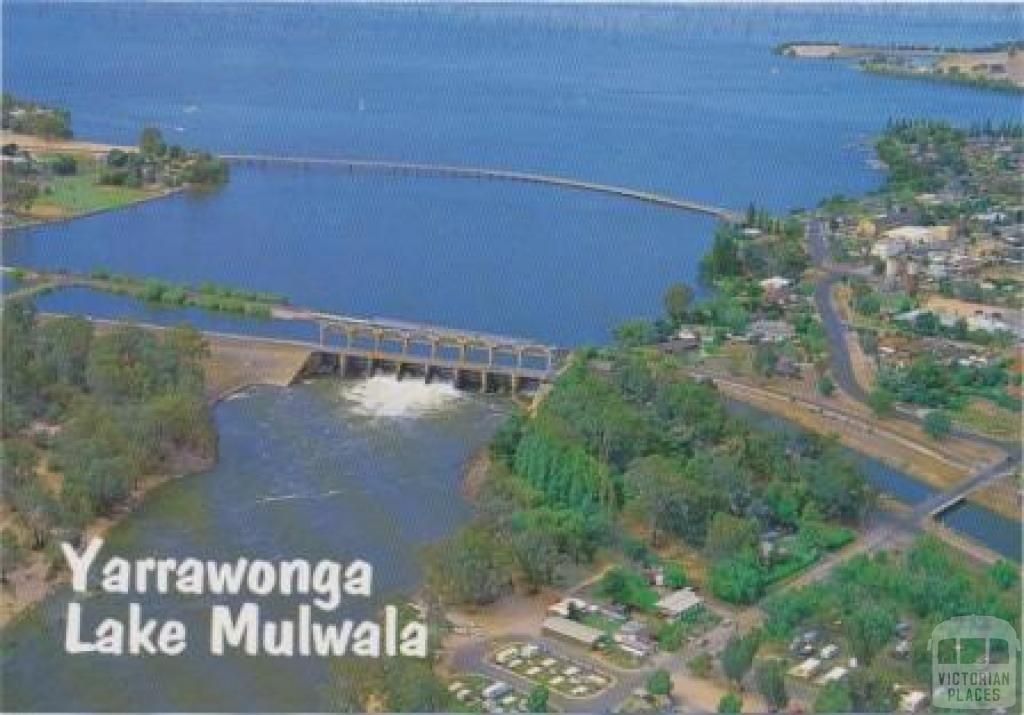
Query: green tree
<point>826,386</point>
<point>677,302</point>
<point>869,628</point>
<point>723,260</point>
<point>634,333</point>
<point>937,424</point>
<point>151,142</point>
<point>471,567</point>
<point>64,165</point>
<point>881,401</point>
<point>738,579</point>
<point>729,535</point>
<point>771,683</point>
<point>872,690</point>
<point>537,700</point>
<point>730,703</point>
<point>1004,574</point>
<point>675,576</point>
<point>62,350</point>
<point>766,356</point>
<point>738,655</point>
<point>659,682</point>
<point>833,698</point>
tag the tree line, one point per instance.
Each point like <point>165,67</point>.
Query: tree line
<point>97,410</point>
<point>624,434</point>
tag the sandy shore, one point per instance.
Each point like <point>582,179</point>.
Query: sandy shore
<point>68,146</point>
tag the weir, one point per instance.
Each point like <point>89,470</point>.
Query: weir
<point>468,360</point>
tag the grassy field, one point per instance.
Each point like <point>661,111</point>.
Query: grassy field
<point>73,195</point>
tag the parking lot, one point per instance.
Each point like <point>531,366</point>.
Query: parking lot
<point>539,664</point>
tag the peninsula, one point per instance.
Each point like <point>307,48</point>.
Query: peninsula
<point>999,67</point>
<point>50,176</point>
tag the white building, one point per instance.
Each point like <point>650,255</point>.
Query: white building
<point>572,630</point>
<point>679,602</point>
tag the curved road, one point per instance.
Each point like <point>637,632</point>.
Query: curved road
<point>842,371</point>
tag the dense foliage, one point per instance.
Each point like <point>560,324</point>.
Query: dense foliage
<point>158,162</point>
<point>639,439</point>
<point>99,411</point>
<point>19,115</point>
<point>864,599</point>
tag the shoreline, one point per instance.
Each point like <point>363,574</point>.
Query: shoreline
<point>231,368</point>
<point>31,583</point>
<point>34,144</point>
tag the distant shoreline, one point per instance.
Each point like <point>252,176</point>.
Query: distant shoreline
<point>998,67</point>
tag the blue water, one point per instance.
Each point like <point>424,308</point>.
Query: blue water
<point>688,101</point>
<point>999,533</point>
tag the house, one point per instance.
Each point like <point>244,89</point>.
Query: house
<point>776,288</point>
<point>634,638</point>
<point>685,339</point>
<point>920,235</point>
<point>836,673</point>
<point>888,249</point>
<point>679,602</point>
<point>770,331</point>
<point>495,690</point>
<point>830,651</point>
<point>566,606</point>
<point>572,631</point>
<point>784,367</point>
<point>912,701</point>
<point>806,669</point>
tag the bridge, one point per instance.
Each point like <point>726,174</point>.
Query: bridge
<point>936,505</point>
<point>471,172</point>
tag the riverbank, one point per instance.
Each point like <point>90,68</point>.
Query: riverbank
<point>231,366</point>
<point>76,191</point>
<point>894,442</point>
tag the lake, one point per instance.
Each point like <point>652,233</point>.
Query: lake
<point>687,101</point>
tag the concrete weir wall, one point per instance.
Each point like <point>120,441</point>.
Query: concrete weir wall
<point>466,376</point>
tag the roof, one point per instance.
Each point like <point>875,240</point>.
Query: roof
<point>775,282</point>
<point>680,601</point>
<point>563,607</point>
<point>919,234</point>
<point>571,629</point>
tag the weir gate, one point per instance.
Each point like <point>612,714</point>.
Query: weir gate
<point>474,361</point>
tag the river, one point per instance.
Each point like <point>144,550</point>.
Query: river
<point>686,101</point>
<point>326,470</point>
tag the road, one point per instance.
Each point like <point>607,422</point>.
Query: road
<point>843,373</point>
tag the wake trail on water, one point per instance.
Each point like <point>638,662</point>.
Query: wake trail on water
<point>292,497</point>
<point>384,396</point>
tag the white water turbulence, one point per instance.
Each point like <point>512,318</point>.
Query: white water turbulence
<point>384,396</point>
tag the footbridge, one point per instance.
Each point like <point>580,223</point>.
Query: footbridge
<point>471,172</point>
<point>941,502</point>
